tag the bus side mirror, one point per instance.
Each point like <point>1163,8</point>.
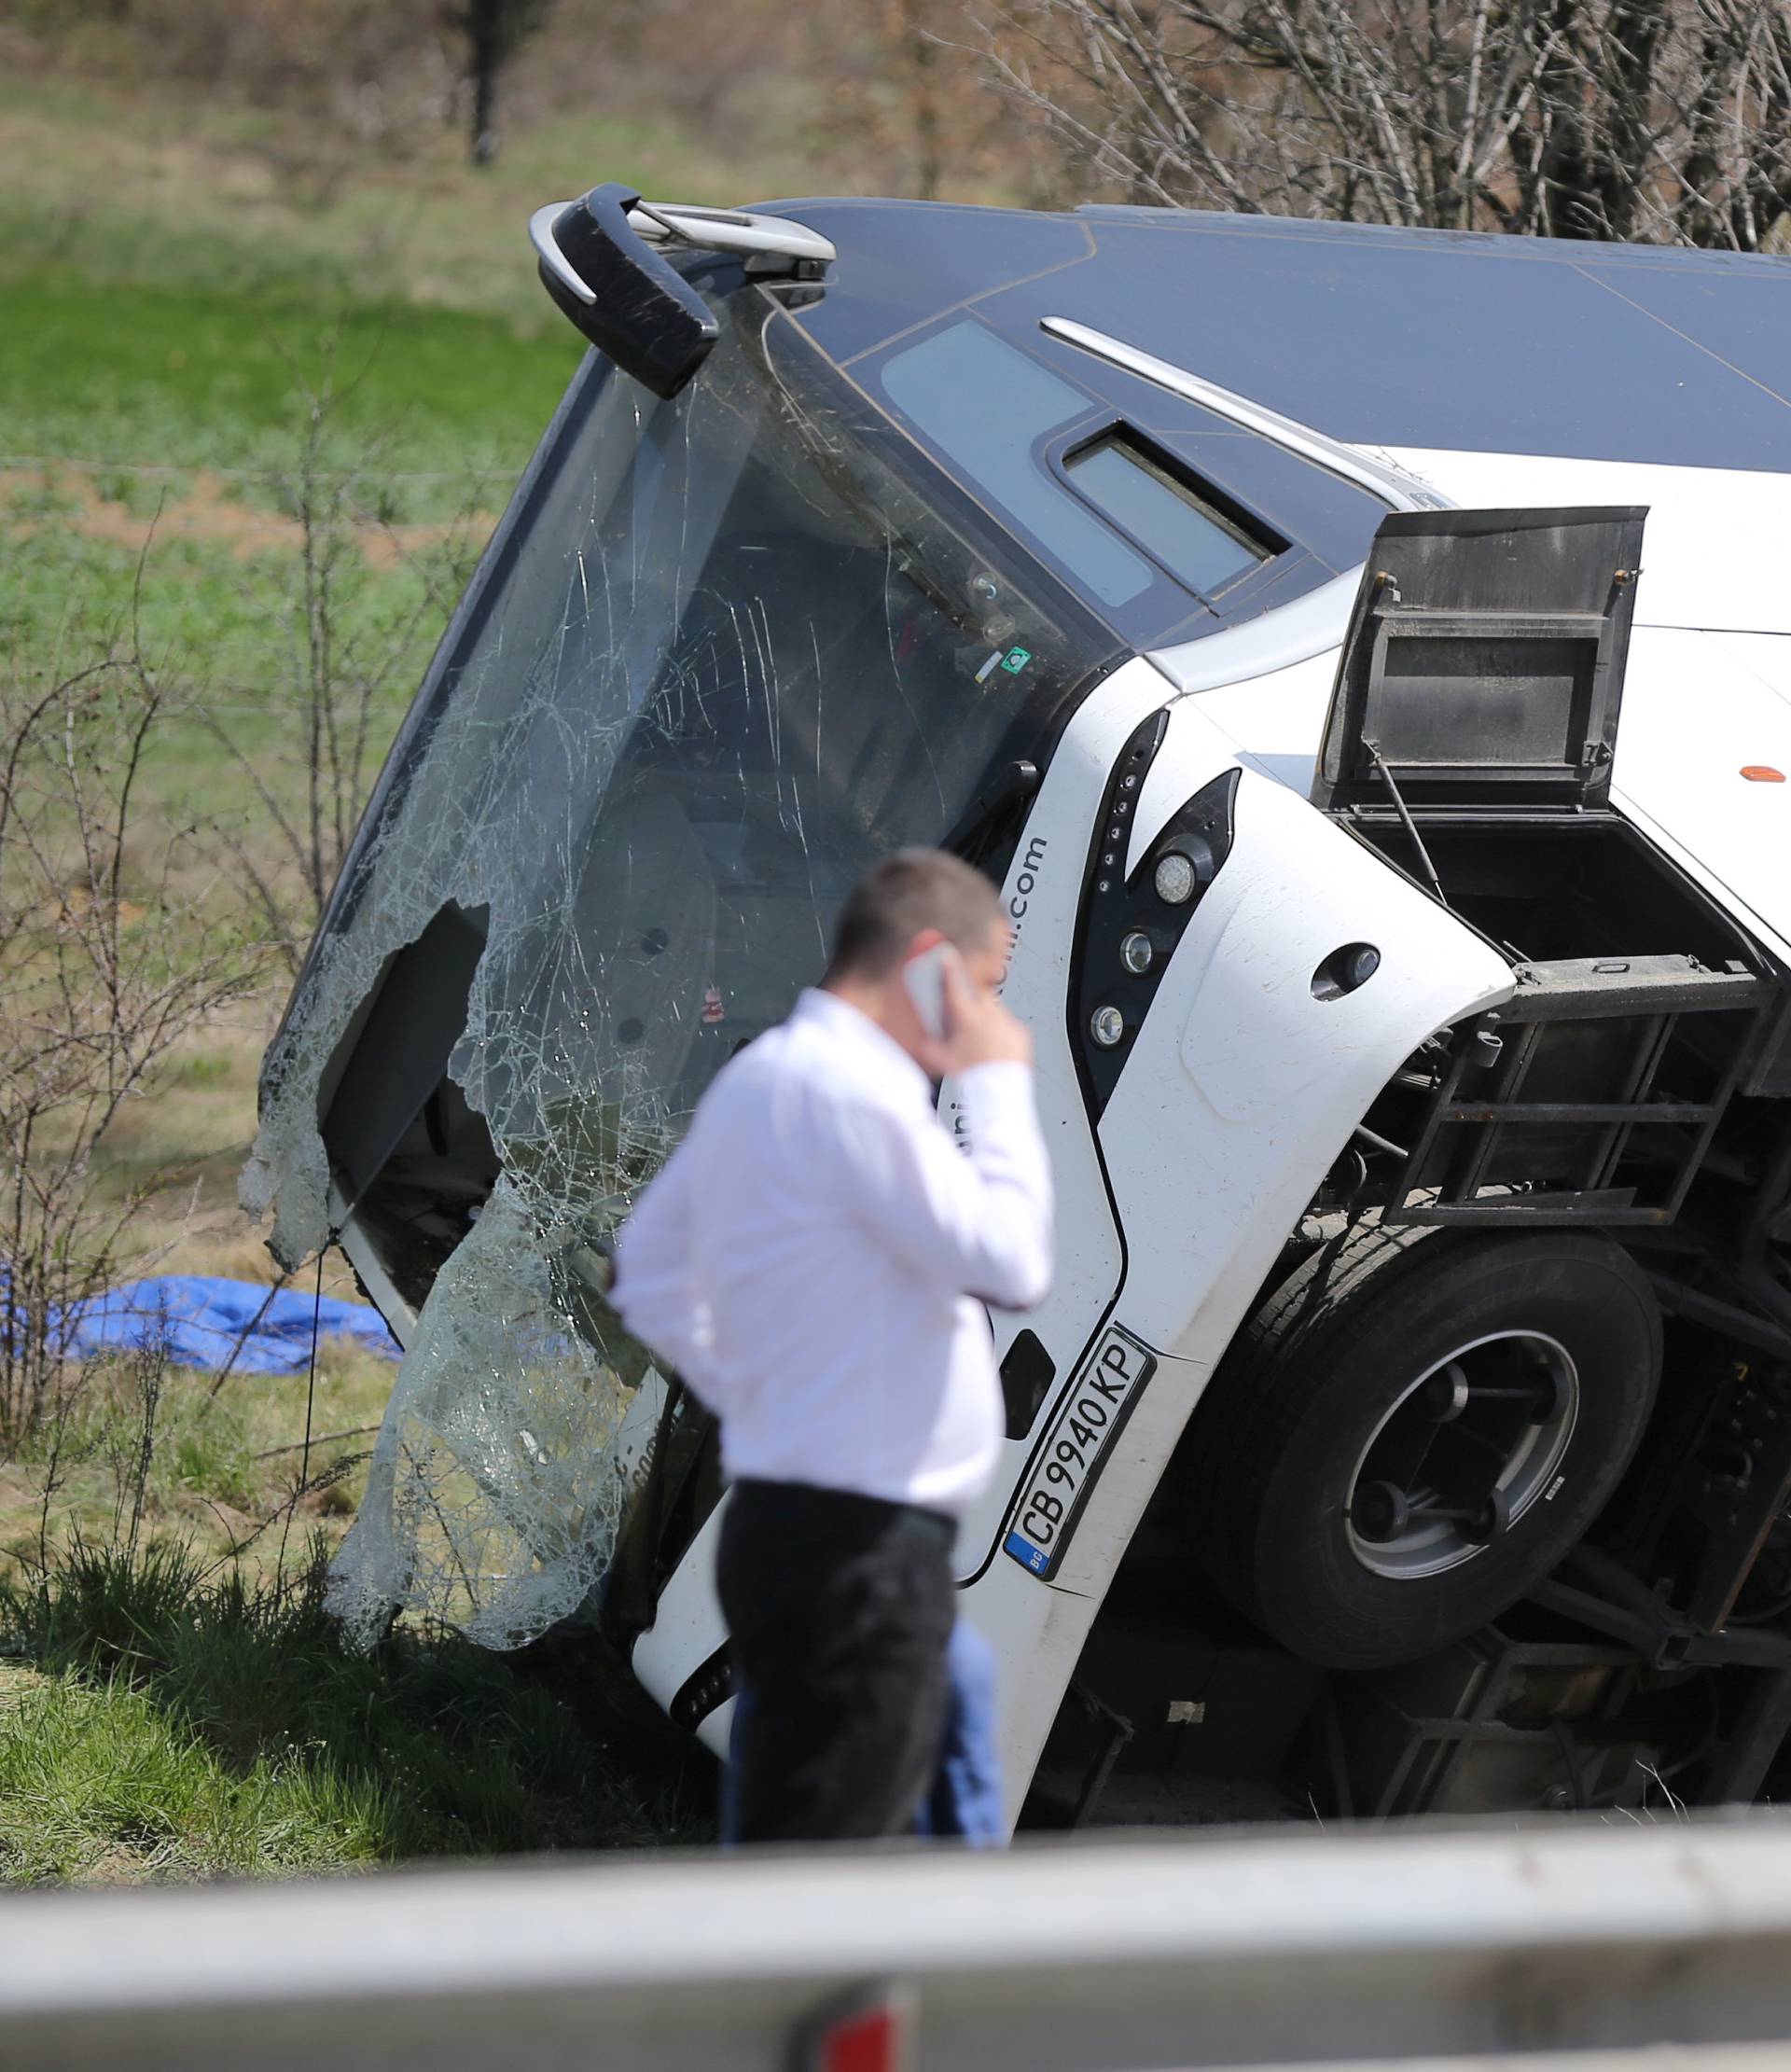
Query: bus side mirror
<point>620,293</point>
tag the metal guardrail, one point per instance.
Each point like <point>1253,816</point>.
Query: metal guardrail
<point>1269,1949</point>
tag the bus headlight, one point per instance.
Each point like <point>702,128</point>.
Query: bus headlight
<point>1175,878</point>
<point>1131,922</point>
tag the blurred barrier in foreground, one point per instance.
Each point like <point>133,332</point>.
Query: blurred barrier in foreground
<point>1274,1949</point>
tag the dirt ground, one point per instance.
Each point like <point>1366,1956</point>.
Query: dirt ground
<point>198,504</point>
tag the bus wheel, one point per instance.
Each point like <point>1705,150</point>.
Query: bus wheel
<point>1414,1429</point>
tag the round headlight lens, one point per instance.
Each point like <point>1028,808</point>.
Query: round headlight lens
<point>1176,879</point>
<point>1136,952</point>
<point>1107,1026</point>
<point>1363,963</point>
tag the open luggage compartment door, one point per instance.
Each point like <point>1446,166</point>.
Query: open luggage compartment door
<point>1484,661</point>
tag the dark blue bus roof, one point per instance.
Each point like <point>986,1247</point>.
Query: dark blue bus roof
<point>1403,338</point>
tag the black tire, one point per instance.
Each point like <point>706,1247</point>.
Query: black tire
<point>1273,1449</point>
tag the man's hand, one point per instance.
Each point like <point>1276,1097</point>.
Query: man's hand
<point>979,1030</point>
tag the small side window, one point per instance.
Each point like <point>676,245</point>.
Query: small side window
<point>985,406</point>
<point>1147,496</point>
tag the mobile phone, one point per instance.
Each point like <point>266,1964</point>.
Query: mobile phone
<point>925,978</point>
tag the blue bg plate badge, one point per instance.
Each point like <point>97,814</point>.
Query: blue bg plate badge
<point>1095,1405</point>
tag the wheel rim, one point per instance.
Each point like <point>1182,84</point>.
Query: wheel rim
<point>1470,1446</point>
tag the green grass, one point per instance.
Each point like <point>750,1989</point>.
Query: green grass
<point>160,1725</point>
<point>196,375</point>
<point>194,549</point>
<point>101,1785</point>
<point>165,336</point>
<point>220,1462</point>
<point>198,411</point>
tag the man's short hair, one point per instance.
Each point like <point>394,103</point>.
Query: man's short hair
<point>911,890</point>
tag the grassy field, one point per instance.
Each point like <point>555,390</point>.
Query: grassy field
<point>213,326</point>
<point>158,1721</point>
<point>159,185</point>
<point>175,309</point>
<point>220,1464</point>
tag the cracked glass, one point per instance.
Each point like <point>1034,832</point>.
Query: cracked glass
<point>724,652</point>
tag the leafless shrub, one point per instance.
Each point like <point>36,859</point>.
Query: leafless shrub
<point>134,1444</point>
<point>110,952</point>
<point>349,666</point>
<point>370,74</point>
<point>1662,121</point>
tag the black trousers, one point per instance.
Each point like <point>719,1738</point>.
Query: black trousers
<point>840,1611</point>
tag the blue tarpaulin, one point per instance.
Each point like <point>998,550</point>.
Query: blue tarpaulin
<point>206,1321</point>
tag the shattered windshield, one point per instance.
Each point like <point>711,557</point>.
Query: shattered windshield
<point>728,654</point>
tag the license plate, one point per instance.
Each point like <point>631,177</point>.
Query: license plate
<point>1096,1404</point>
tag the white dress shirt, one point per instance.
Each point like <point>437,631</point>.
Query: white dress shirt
<point>812,1258</point>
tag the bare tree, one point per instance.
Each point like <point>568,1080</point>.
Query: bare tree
<point>918,54</point>
<point>914,115</point>
<point>1659,120</point>
<point>494,31</point>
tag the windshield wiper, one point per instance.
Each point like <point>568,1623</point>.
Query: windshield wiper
<point>1007,787</point>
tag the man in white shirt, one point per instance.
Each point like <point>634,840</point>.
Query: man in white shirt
<point>813,1259</point>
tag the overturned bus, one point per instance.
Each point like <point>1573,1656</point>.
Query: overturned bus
<point>1363,656</point>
